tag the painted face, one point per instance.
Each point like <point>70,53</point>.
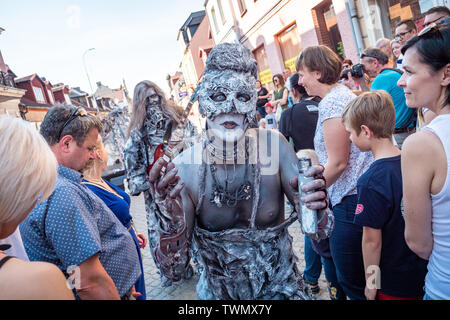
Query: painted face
<point>421,85</point>
<point>153,99</point>
<point>227,127</point>
<point>309,80</point>
<point>81,155</point>
<point>227,92</point>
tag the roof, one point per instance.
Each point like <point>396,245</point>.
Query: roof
<point>34,104</point>
<point>27,78</point>
<point>77,92</point>
<point>59,87</point>
<point>194,19</point>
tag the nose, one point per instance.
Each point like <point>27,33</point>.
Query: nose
<point>401,82</point>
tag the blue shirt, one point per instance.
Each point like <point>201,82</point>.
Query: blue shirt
<point>387,81</point>
<point>380,207</point>
<point>72,225</point>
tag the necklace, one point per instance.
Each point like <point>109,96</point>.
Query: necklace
<point>221,195</point>
<point>103,185</point>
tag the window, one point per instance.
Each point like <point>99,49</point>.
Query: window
<point>39,95</point>
<point>290,47</point>
<point>50,96</point>
<point>67,98</point>
<point>222,16</point>
<point>265,75</point>
<point>242,7</point>
<point>213,14</point>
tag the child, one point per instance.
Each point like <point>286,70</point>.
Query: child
<point>370,120</point>
<point>262,123</point>
<point>271,122</point>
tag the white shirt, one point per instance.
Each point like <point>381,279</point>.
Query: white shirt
<point>437,281</point>
<point>17,249</point>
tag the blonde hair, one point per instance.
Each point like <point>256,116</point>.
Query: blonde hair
<point>374,109</point>
<point>28,168</point>
<point>90,167</point>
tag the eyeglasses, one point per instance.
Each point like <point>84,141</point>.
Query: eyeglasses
<point>431,22</point>
<point>402,34</point>
<point>80,111</point>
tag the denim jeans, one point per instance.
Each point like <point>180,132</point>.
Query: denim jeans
<point>346,249</point>
<point>313,269</point>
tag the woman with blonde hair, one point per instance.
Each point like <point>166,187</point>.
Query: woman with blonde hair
<point>119,203</point>
<point>319,69</point>
<point>28,171</point>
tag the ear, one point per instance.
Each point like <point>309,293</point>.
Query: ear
<point>366,131</point>
<point>446,77</point>
<point>317,74</point>
<point>65,143</point>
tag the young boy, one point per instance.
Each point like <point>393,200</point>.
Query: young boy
<point>271,121</point>
<point>370,120</point>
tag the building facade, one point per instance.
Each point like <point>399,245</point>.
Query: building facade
<point>277,30</point>
<point>10,95</point>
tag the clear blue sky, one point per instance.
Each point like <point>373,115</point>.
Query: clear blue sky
<point>135,39</point>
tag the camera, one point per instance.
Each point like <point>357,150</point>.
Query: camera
<point>357,71</point>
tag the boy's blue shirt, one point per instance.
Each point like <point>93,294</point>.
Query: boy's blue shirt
<point>380,206</point>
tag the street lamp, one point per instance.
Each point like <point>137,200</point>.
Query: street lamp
<point>84,63</point>
<point>87,74</point>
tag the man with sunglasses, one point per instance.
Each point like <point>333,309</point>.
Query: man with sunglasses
<point>435,15</point>
<point>73,228</point>
<point>404,30</point>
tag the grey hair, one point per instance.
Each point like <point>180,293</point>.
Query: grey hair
<point>382,42</point>
<point>78,128</point>
<point>231,56</point>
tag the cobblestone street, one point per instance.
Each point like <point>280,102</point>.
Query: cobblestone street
<point>185,289</point>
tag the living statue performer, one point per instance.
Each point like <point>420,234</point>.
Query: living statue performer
<point>222,200</point>
<point>114,137</point>
<point>153,119</point>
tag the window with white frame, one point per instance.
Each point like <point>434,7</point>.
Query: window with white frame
<point>67,98</point>
<point>50,96</point>
<point>222,16</point>
<point>213,14</point>
<point>39,95</point>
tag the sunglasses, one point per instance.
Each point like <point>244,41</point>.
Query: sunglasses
<point>402,34</point>
<point>434,21</point>
<point>80,111</point>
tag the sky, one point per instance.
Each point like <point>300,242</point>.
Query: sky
<point>134,40</point>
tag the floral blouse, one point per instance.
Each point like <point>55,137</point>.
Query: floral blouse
<point>332,106</point>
